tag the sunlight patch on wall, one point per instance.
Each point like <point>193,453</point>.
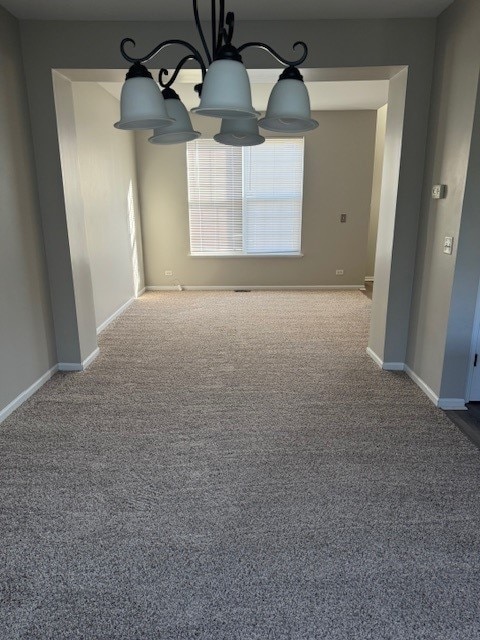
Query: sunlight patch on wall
<point>133,239</point>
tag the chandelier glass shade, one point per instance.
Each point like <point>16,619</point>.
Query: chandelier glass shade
<point>142,105</point>
<point>239,133</point>
<point>224,92</point>
<point>181,129</point>
<point>289,105</point>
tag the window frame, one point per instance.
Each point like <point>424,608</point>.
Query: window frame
<point>244,254</point>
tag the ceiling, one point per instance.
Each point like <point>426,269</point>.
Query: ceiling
<point>245,9</point>
<point>324,96</point>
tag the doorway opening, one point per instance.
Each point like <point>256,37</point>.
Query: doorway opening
<point>78,208</point>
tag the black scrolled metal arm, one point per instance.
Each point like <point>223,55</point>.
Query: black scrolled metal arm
<point>214,26</point>
<point>198,24</point>
<point>221,24</point>
<point>222,33</point>
<point>230,22</point>
<point>167,43</point>
<point>180,65</point>
<point>277,56</point>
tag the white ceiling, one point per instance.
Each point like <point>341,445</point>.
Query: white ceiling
<point>324,96</point>
<point>244,9</point>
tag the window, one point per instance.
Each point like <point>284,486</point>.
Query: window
<point>245,200</point>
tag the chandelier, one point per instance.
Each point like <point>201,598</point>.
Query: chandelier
<point>224,91</point>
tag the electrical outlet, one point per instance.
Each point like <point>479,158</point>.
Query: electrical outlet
<point>169,273</point>
<point>339,272</point>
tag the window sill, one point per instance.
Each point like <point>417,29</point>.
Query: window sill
<point>245,255</point>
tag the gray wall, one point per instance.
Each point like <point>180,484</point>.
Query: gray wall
<point>338,179</point>
<point>365,43</point>
<point>108,179</point>
<point>458,362</point>
<point>27,348</point>
<point>445,285</point>
<point>393,269</point>
<point>71,288</point>
<point>376,190</point>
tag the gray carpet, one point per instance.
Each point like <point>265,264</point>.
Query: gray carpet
<point>233,466</point>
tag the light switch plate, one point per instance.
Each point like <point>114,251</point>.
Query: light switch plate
<point>343,217</point>
<point>448,245</point>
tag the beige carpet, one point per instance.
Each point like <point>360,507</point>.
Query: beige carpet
<point>234,467</point>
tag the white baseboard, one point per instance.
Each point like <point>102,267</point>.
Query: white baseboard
<point>89,359</point>
<point>114,316</point>
<point>452,404</point>
<point>79,366</point>
<point>141,292</point>
<point>61,366</point>
<point>393,366</point>
<point>386,366</point>
<point>369,279</point>
<point>447,404</point>
<point>378,361</point>
<point>423,385</point>
<point>20,399</point>
<point>320,287</point>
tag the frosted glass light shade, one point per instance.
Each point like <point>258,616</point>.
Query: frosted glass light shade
<point>142,105</point>
<point>226,91</point>
<point>179,131</point>
<point>239,133</point>
<point>288,108</point>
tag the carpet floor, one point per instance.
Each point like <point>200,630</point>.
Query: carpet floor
<point>233,466</point>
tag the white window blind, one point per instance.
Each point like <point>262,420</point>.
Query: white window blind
<point>245,200</point>
<point>273,189</point>
<point>215,197</point>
